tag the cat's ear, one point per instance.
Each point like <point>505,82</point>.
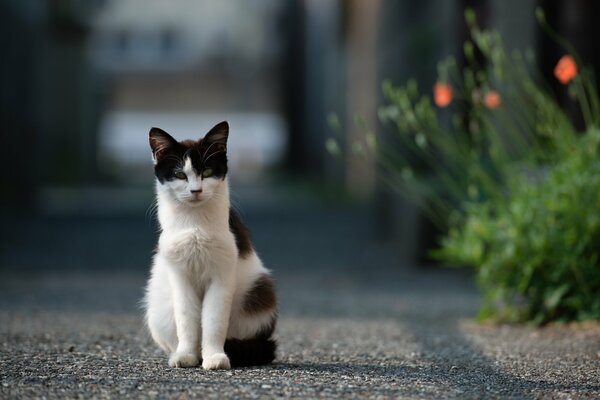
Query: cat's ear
<point>160,143</point>
<point>218,134</point>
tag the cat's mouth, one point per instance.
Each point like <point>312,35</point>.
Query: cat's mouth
<point>196,200</point>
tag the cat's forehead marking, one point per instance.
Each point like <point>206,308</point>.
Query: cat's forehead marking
<point>188,169</point>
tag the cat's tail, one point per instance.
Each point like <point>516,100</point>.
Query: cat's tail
<point>250,352</point>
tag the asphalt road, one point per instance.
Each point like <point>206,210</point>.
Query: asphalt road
<point>387,335</point>
<point>354,323</point>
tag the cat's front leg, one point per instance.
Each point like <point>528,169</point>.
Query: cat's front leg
<point>187,309</point>
<point>216,310</point>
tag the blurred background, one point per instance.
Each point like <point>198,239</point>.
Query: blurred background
<point>82,82</point>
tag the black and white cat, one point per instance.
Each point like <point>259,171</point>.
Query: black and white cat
<point>209,298</point>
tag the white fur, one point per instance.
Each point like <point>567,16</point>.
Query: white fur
<point>195,293</point>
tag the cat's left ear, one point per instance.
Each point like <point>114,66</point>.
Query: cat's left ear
<point>160,143</point>
<point>218,134</point>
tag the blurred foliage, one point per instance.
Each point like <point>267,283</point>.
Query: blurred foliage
<point>536,252</point>
<point>496,163</point>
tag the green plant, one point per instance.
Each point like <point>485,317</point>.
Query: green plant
<point>536,253</point>
<point>497,164</point>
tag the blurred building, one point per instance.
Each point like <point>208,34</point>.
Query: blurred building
<point>82,82</point>
<point>49,97</point>
<point>184,66</point>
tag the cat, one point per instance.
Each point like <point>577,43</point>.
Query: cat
<point>209,299</point>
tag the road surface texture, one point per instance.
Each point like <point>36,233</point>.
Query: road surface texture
<point>353,323</point>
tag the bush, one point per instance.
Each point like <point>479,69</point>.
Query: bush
<point>496,163</point>
<point>536,254</point>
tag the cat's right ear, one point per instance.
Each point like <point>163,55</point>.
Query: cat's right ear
<point>160,143</point>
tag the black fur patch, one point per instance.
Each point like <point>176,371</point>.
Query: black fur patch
<point>241,233</point>
<point>267,331</point>
<point>249,352</point>
<point>261,297</point>
<point>260,349</point>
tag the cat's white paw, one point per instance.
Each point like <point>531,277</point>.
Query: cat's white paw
<point>216,361</point>
<point>183,360</point>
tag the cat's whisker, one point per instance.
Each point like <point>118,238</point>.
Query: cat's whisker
<point>207,150</point>
<point>151,211</point>
<point>174,158</point>
<point>234,201</point>
<point>216,152</point>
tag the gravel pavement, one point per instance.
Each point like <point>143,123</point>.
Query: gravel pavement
<point>375,335</point>
<point>354,323</point>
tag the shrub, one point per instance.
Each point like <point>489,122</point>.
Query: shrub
<point>536,253</point>
<point>496,163</point>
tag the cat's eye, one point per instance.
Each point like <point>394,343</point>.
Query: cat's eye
<point>180,175</point>
<point>207,172</point>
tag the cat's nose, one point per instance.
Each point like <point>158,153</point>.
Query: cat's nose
<point>196,191</point>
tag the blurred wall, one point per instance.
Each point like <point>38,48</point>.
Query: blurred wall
<point>48,101</point>
<point>82,81</point>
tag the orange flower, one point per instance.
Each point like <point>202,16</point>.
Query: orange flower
<point>492,99</point>
<point>442,94</point>
<point>566,69</point>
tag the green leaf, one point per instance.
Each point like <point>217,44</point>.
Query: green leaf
<point>555,295</point>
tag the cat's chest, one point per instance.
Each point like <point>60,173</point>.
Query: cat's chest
<point>196,245</point>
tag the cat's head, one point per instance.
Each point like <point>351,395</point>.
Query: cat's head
<point>190,171</point>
